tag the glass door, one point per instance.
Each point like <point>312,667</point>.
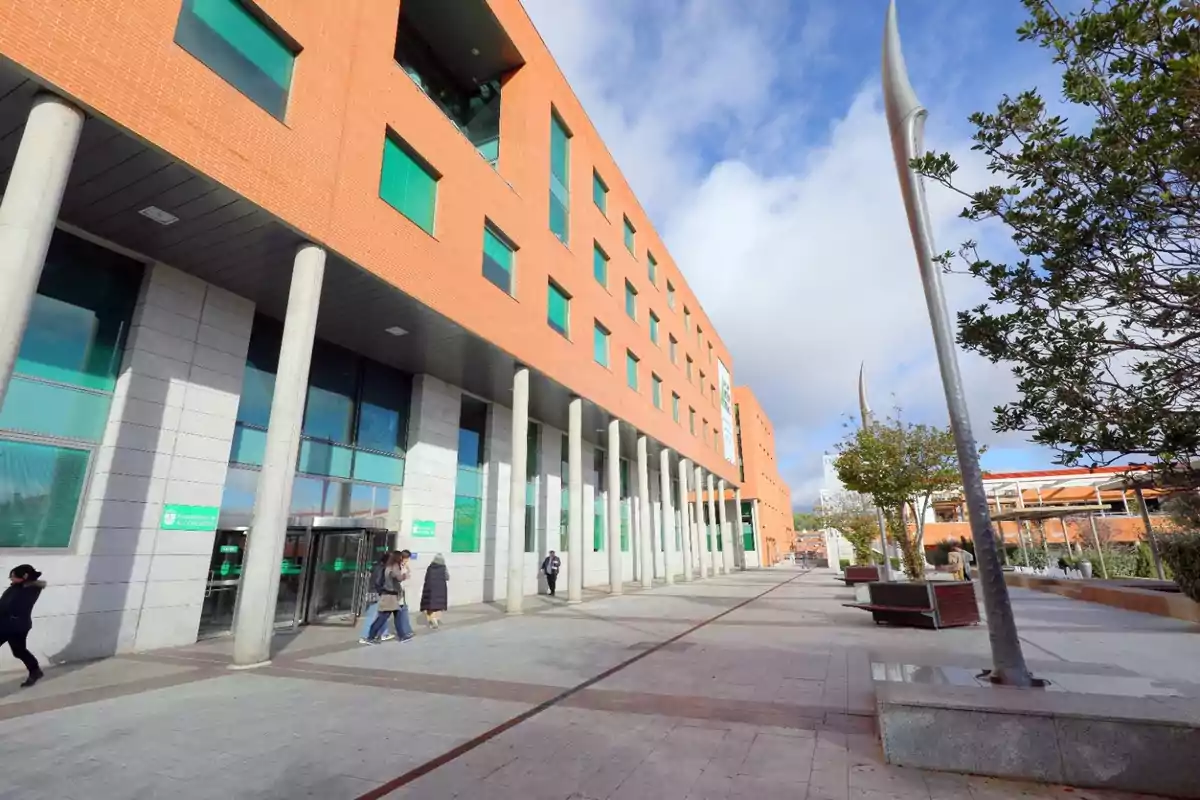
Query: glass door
<point>221,587</point>
<point>292,575</point>
<point>342,558</point>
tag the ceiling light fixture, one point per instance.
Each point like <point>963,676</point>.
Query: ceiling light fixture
<point>396,330</point>
<point>158,215</point>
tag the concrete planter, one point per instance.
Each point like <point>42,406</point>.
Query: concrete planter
<point>940,604</point>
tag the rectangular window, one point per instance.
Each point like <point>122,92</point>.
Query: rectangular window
<point>468,492</point>
<point>674,406</point>
<point>43,486</point>
<point>689,369</point>
<point>653,328</point>
<point>652,268</point>
<point>692,420</point>
<point>631,301</point>
<point>600,193</point>
<point>687,319</point>
<point>631,370</point>
<point>630,231</point>
<point>564,506</point>
<point>598,511</point>
<point>699,336</point>
<point>558,309</point>
<point>702,384</point>
<point>600,345</point>
<point>237,45</point>
<point>670,296</point>
<point>710,352</point>
<point>497,259</point>
<point>533,468</point>
<point>560,169</point>
<point>600,265</point>
<point>674,348</point>
<point>407,183</point>
<point>656,390</point>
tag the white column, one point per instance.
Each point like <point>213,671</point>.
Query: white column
<point>575,498</point>
<point>714,529</point>
<point>254,613</point>
<point>726,531</point>
<point>701,528</point>
<point>758,542</point>
<point>613,465</point>
<point>515,591</point>
<point>28,212</point>
<point>647,528</point>
<point>667,526</point>
<point>737,522</point>
<point>686,531</point>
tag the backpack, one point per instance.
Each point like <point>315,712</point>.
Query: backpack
<point>377,577</point>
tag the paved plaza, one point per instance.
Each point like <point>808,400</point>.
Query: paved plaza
<point>754,685</point>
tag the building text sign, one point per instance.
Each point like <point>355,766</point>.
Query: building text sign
<point>189,518</point>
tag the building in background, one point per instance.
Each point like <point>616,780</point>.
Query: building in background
<point>327,248</point>
<point>766,499</point>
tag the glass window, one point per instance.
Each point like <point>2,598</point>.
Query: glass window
<point>631,370</point>
<point>600,345</point>
<point>332,382</point>
<point>670,296</point>
<point>652,268</point>
<point>322,458</point>
<point>689,369</point>
<point>564,507</point>
<point>407,183</point>
<point>710,352</point>
<point>656,390</point>
<point>692,420</point>
<point>631,301</point>
<point>468,499</point>
<point>674,345</point>
<point>653,328</point>
<point>687,319</point>
<point>558,309</point>
<point>600,266</point>
<point>599,193</point>
<point>383,410</point>
<point>560,168</point>
<point>533,461</point>
<point>630,233</point>
<point>40,490</point>
<point>497,259</point>
<point>234,43</point>
<point>35,407</point>
<point>237,500</point>
<point>258,380</point>
<point>675,406</point>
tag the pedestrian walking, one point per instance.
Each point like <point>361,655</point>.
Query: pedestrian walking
<point>391,599</point>
<point>434,594</point>
<point>376,586</point>
<point>16,617</point>
<point>406,628</point>
<point>550,567</point>
<point>957,561</point>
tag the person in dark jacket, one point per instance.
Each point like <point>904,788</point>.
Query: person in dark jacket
<point>550,567</point>
<point>434,594</point>
<point>16,617</point>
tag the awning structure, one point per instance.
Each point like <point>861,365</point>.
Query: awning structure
<point>1045,512</point>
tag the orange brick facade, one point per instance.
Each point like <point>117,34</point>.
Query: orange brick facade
<point>319,172</point>
<point>762,481</point>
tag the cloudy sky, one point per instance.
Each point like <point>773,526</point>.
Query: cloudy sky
<point>753,132</point>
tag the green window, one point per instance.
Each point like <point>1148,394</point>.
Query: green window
<point>600,345</point>
<point>564,507</point>
<point>558,309</point>
<point>653,328</point>
<point>598,510</point>
<point>631,370</point>
<point>675,406</point>
<point>468,486</point>
<point>41,492</point>
<point>236,44</point>
<point>630,231</point>
<point>533,462</point>
<point>599,193</point>
<point>670,296</point>
<point>497,259</point>
<point>652,269</point>
<point>560,168</point>
<point>747,516</point>
<point>600,265</point>
<point>624,497</point>
<point>631,301</point>
<point>656,390</point>
<point>674,348</point>
<point>407,183</point>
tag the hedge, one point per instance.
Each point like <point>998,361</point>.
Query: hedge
<point>1181,552</point>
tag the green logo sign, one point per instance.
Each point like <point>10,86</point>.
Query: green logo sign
<point>424,529</point>
<point>189,518</point>
<point>229,548</point>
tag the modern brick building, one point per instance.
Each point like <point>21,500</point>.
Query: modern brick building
<point>766,499</point>
<point>286,284</point>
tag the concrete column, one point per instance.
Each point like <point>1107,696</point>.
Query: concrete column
<point>575,498</point>
<point>254,614</point>
<point>646,527</point>
<point>613,465</point>
<point>28,213</point>
<point>686,532</point>
<point>758,541</point>
<point>726,530</point>
<point>714,528</point>
<point>702,544</point>
<point>737,516</point>
<point>515,592</point>
<point>667,526</point>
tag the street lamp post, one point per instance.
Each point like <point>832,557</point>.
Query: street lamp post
<point>866,423</point>
<point>906,125</point>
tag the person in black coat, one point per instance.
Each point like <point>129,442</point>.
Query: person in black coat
<point>434,594</point>
<point>16,617</point>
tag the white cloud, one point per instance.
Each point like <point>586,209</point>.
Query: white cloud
<point>806,266</point>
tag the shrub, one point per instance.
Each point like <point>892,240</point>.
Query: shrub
<point>845,563</point>
<point>1181,552</point>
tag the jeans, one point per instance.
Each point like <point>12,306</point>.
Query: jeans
<point>16,643</point>
<point>404,625</point>
<point>551,581</point>
<point>368,618</point>
<point>400,619</point>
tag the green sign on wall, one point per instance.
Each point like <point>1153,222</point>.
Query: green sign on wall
<point>189,518</point>
<point>424,529</point>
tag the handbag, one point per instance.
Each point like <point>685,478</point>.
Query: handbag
<point>389,603</point>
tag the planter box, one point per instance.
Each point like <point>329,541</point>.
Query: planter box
<point>941,604</point>
<point>861,574</point>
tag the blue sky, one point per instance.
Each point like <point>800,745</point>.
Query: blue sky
<point>753,133</point>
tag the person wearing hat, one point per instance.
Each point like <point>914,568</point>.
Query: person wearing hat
<point>16,617</point>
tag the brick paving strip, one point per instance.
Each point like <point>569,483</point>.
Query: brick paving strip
<point>450,755</point>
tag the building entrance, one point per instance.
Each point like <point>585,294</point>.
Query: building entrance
<point>324,575</point>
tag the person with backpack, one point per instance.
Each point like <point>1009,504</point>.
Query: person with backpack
<point>550,567</point>
<point>373,608</point>
<point>435,594</point>
<point>16,617</point>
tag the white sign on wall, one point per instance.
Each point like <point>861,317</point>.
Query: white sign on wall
<point>727,431</point>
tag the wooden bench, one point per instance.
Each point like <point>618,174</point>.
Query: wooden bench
<point>860,574</point>
<point>945,604</point>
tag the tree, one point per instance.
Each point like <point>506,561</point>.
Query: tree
<point>1099,317</point>
<point>900,466</point>
<point>853,515</point>
<point>806,521</point>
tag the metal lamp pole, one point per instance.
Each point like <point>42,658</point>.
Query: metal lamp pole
<point>906,125</point>
<point>866,423</point>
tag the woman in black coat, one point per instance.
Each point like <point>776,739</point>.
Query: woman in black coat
<point>434,594</point>
<point>16,617</point>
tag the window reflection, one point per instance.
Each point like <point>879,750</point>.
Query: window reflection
<point>331,389</point>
